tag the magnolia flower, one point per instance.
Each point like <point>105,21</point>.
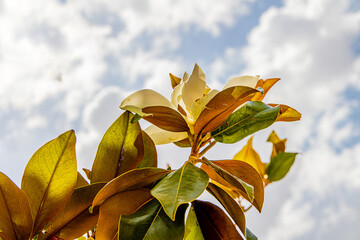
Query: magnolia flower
<point>194,108</point>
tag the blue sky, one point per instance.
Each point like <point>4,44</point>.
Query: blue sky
<point>104,50</point>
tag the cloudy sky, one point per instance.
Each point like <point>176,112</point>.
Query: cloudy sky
<point>68,65</point>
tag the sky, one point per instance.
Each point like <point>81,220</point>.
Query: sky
<point>68,65</point>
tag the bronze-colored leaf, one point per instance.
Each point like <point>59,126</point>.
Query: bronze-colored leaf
<point>123,203</point>
<point>165,118</point>
<point>248,174</point>
<point>278,144</point>
<point>214,223</point>
<point>227,179</point>
<point>120,150</point>
<point>134,179</point>
<point>219,108</point>
<point>80,182</point>
<point>15,216</point>
<point>230,205</point>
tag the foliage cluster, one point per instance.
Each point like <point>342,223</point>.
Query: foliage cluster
<point>128,196</point>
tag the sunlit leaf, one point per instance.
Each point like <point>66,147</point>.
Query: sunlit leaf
<point>80,181</point>
<point>165,118</point>
<point>15,216</point>
<point>50,178</point>
<point>230,205</point>
<point>214,223</point>
<point>150,154</point>
<point>79,202</point>
<point>265,85</point>
<point>247,81</point>
<point>280,165</point>
<point>123,203</point>
<point>278,144</point>
<point>185,143</point>
<point>250,156</point>
<point>182,186</point>
<point>151,222</point>
<point>248,174</point>
<point>87,173</point>
<point>250,118</point>
<point>120,150</point>
<point>192,228</point>
<point>137,178</point>
<point>227,179</point>
<point>174,80</point>
<point>221,106</point>
<point>286,113</point>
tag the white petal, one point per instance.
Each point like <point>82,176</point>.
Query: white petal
<point>176,94</point>
<point>247,81</point>
<point>194,87</point>
<point>144,98</point>
<point>160,136</point>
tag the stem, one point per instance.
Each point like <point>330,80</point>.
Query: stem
<point>207,148</point>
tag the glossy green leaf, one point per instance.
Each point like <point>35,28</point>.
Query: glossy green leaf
<point>137,178</point>
<point>182,186</point>
<point>250,235</point>
<point>230,205</point>
<point>50,178</point>
<point>192,227</point>
<point>214,223</point>
<point>219,108</point>
<point>151,222</point>
<point>80,201</point>
<point>248,174</point>
<point>227,179</point>
<point>150,154</point>
<point>250,118</point>
<point>123,203</point>
<point>280,165</point>
<point>120,150</point>
<point>15,216</point>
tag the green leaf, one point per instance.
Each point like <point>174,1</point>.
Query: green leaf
<point>150,154</point>
<point>250,118</point>
<point>80,201</point>
<point>182,186</point>
<point>15,215</point>
<point>230,205</point>
<point>192,227</point>
<point>123,203</point>
<point>250,235</point>
<point>214,223</point>
<point>151,222</point>
<point>219,108</point>
<point>50,178</point>
<point>280,165</point>
<point>134,179</point>
<point>120,150</point>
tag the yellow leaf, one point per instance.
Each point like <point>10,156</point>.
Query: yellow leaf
<point>265,85</point>
<point>15,215</point>
<point>174,80</point>
<point>286,113</point>
<point>50,178</point>
<point>249,155</point>
<point>123,203</point>
<point>278,144</point>
<point>246,81</point>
